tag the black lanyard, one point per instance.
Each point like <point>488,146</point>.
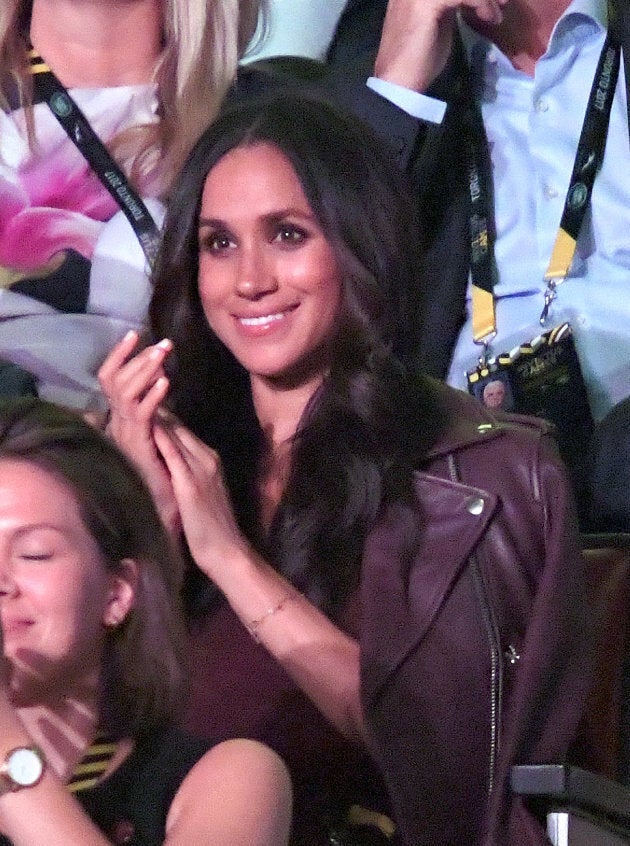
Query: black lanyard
<point>78,129</point>
<point>588,160</point>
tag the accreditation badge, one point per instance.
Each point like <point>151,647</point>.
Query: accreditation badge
<point>542,378</point>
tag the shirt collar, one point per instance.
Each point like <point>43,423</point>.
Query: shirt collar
<point>596,10</point>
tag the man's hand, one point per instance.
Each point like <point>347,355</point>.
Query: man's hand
<point>417,38</point>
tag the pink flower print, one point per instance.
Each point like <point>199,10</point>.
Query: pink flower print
<point>53,209</point>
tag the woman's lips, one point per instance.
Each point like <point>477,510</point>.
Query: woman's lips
<point>15,626</point>
<point>260,324</point>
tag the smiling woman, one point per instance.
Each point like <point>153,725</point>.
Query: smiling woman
<point>362,523</point>
<point>273,289</point>
<point>268,278</point>
<point>93,637</point>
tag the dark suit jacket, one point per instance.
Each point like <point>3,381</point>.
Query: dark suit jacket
<point>358,31</point>
<point>434,157</point>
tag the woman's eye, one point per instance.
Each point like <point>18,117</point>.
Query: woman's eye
<point>217,242</point>
<point>290,235</point>
<point>36,556</point>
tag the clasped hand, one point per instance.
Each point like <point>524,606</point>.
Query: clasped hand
<point>183,474</point>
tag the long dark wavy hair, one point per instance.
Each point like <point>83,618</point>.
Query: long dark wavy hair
<point>372,420</point>
<point>142,675</point>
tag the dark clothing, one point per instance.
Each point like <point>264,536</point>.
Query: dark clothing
<point>133,801</point>
<point>608,506</point>
<point>238,689</point>
<point>358,32</point>
<point>130,806</point>
<point>475,648</point>
<point>435,162</point>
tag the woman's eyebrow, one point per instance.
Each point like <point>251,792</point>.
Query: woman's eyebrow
<point>272,215</point>
<point>215,223</point>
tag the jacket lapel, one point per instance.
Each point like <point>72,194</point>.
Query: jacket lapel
<point>402,597</point>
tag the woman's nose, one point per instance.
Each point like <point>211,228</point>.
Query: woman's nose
<point>7,582</point>
<point>256,275</point>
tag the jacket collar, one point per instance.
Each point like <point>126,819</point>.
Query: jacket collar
<point>468,422</point>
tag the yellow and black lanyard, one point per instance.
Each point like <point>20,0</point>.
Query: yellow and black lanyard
<point>588,159</point>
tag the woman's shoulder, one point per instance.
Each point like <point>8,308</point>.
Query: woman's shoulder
<point>467,423</point>
<point>240,791</point>
<point>509,455</point>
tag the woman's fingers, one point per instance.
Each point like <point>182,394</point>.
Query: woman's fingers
<point>117,357</point>
<point>178,467</point>
<point>135,386</point>
<point>204,504</point>
<point>190,461</point>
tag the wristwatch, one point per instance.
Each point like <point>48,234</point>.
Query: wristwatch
<point>23,767</point>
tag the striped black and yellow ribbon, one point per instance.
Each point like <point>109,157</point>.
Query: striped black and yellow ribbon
<point>37,64</point>
<point>93,764</point>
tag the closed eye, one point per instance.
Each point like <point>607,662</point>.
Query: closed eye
<point>36,556</point>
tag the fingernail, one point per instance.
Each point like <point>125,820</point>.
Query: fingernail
<point>158,350</point>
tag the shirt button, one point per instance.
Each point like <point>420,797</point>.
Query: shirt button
<point>550,192</point>
<point>541,105</point>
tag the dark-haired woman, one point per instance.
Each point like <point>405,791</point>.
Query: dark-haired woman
<point>403,554</point>
<point>92,634</point>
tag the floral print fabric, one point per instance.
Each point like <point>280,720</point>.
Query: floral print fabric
<point>73,277</point>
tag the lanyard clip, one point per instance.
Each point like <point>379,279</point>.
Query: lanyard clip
<point>550,295</point>
<point>484,343</point>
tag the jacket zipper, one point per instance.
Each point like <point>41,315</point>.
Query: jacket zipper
<point>494,644</point>
<point>496,667</point>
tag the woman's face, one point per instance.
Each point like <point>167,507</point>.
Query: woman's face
<point>268,278</point>
<point>56,596</point>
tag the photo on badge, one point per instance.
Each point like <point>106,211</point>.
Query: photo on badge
<point>494,391</point>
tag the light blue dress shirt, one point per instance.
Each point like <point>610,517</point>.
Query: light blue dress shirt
<point>533,126</point>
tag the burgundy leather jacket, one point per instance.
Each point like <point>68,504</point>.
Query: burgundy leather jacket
<point>475,645</point>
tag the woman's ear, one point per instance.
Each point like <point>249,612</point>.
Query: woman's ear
<point>122,593</point>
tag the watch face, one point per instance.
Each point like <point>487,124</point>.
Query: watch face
<point>24,767</point>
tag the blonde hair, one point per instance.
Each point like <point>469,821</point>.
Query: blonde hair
<point>203,41</point>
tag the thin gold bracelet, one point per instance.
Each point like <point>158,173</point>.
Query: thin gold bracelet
<point>253,626</point>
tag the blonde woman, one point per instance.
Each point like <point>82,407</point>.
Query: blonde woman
<point>148,76</point>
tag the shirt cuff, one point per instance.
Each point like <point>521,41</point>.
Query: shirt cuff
<point>413,102</point>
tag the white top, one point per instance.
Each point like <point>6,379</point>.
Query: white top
<point>298,28</point>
